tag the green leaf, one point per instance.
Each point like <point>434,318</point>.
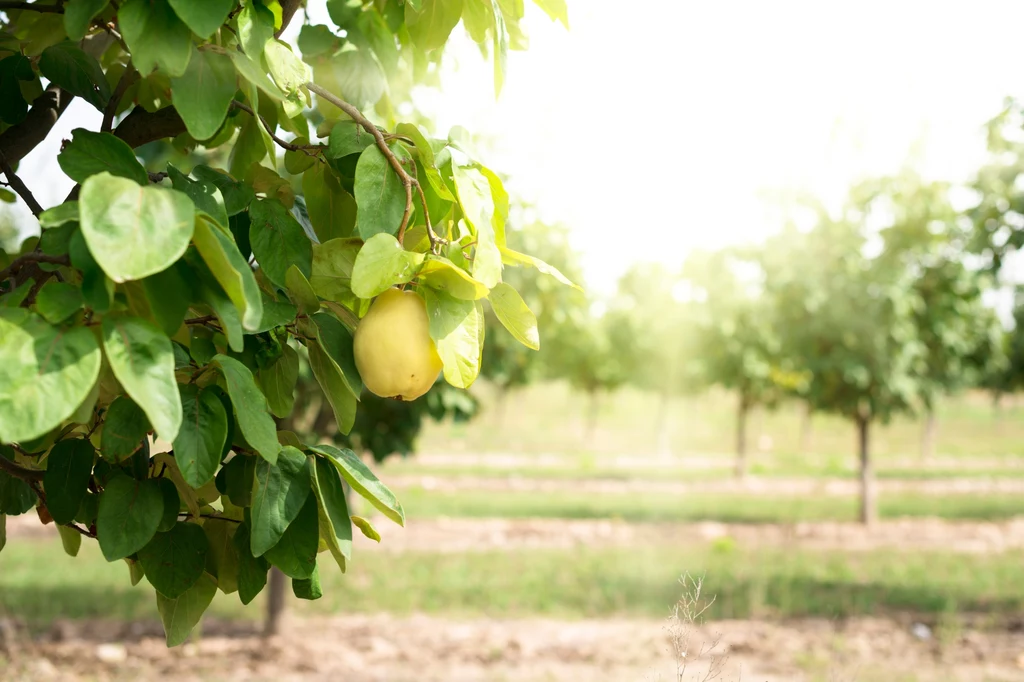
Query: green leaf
<point>15,70</point>
<point>288,71</point>
<point>366,528</point>
<point>363,481</point>
<point>335,388</point>
<point>220,535</point>
<point>211,293</point>
<point>207,197</point>
<point>443,275</point>
<point>200,441</point>
<point>300,291</point>
<point>232,272</point>
<point>425,151</point>
<point>512,311</point>
<point>337,342</point>
<point>252,571</point>
<point>66,65</point>
<point>180,615</point>
<point>3,531</point>
<point>278,241</point>
<point>275,314</point>
<point>299,161</point>
<point>478,18</point>
<point>203,94</point>
<point>68,468</point>
<point>90,153</point>
<point>381,264</point>
<point>236,479</point>
<point>335,524</point>
<point>59,215</point>
<point>58,301</point>
<point>295,552</point>
<point>433,24</point>
<point>124,427</point>
<point>134,231</point>
<point>156,37</point>
<point>308,588</point>
<point>516,259</point>
<point>347,137</point>
<point>45,373</point>
<point>278,382</point>
<point>358,75</point>
<point>135,572</point>
<point>174,561</point>
<point>129,514</point>
<point>278,496</point>
<point>143,361</point>
<point>78,16</point>
<point>204,17</point>
<point>332,269</point>
<point>332,210</point>
<point>71,540</point>
<point>556,9</point>
<point>97,288</point>
<point>255,28</point>
<point>16,497</point>
<point>250,71</point>
<point>477,203</point>
<point>169,295</point>
<point>457,328</point>
<point>250,406</point>
<point>172,505</point>
<point>500,48</point>
<point>379,193</point>
<point>237,195</point>
<point>315,40</point>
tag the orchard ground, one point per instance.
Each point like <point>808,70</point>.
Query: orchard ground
<point>541,547</point>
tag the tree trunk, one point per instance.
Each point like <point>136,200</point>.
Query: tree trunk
<point>741,438</point>
<point>928,438</point>
<point>806,427</point>
<point>275,602</point>
<point>500,407</point>
<point>664,424</point>
<point>868,506</point>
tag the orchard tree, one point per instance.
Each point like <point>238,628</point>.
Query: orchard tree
<point>172,303</point>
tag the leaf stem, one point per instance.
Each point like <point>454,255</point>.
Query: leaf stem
<point>281,143</point>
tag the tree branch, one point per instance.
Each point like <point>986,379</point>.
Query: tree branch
<point>18,140</point>
<point>407,180</point>
<point>129,76</point>
<point>18,186</point>
<point>288,8</point>
<point>32,7</point>
<point>266,126</point>
<point>81,530</point>
<point>18,471</point>
<point>140,127</point>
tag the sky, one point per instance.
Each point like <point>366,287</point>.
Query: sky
<point>653,127</point>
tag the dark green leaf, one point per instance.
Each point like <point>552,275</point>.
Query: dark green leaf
<point>172,505</point>
<point>364,481</point>
<point>202,96</point>
<point>57,301</point>
<point>250,407</point>
<point>169,294</point>
<point>275,314</point>
<point>200,441</point>
<point>315,40</point>
<point>308,588</point>
<point>278,241</point>
<point>78,15</point>
<point>220,534</point>
<point>97,288</point>
<point>204,17</point>
<point>295,552</point>
<point>332,210</point>
<point>205,195</point>
<point>180,615</point>
<point>124,427</point>
<point>278,382</point>
<point>336,390</point>
<point>347,137</point>
<point>335,524</point>
<point>333,261</point>
<point>379,193</point>
<point>237,195</point>
<point>68,468</point>
<point>252,571</point>
<point>279,495</point>
<point>236,479</point>
<point>129,514</point>
<point>174,561</point>
<point>90,153</point>
<point>298,161</point>
<point>337,341</point>
<point>16,497</point>
<point>155,36</point>
<point>13,70</point>
<point>66,65</point>
<point>88,509</point>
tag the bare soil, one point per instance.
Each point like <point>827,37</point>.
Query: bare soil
<point>425,649</point>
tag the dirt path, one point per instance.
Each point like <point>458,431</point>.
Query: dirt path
<point>425,649</point>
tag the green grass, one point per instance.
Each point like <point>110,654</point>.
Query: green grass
<point>38,583</point>
<point>660,507</point>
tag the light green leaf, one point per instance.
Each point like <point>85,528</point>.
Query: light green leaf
<point>381,264</point>
<point>335,524</point>
<point>70,539</point>
<point>90,153</point>
<point>78,15</point>
<point>202,96</point>
<point>431,26</point>
<point>211,293</point>
<point>295,552</point>
<point>180,615</point>
<point>68,468</point>
<point>206,196</point>
<point>512,311</point>
<point>366,528</point>
<point>174,561</point>
<point>359,76</point>
<point>289,72</point>
<point>457,328</point>
<point>237,195</point>
<point>500,49</point>
<point>66,65</point>
<point>251,410</point>
<point>201,439</point>
<point>347,137</point>
<point>478,209</point>
<point>134,231</point>
<point>278,382</point>
<point>335,388</point>
<point>253,73</point>
<point>478,18</point>
<point>332,210</point>
<point>278,496</point>
<point>231,271</point>
<point>45,373</point>
<point>204,17</point>
<point>443,275</point>
<point>124,427</point>
<point>379,193</point>
<point>300,292</point>
<point>128,516</point>
<point>363,481</point>
<point>255,28</point>
<point>332,269</point>
<point>142,359</point>
<point>155,36</point>
<point>278,240</point>
<point>516,259</point>
<point>556,9</point>
<point>425,151</point>
<point>57,301</point>
<point>59,214</point>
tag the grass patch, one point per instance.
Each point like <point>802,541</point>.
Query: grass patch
<point>737,508</point>
<point>38,583</point>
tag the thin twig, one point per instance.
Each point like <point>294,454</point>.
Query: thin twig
<point>157,177</point>
<point>282,143</point>
<point>18,186</point>
<point>201,320</point>
<point>41,278</point>
<point>33,257</point>
<point>81,530</point>
<point>31,6</point>
<point>129,76</point>
<point>18,471</point>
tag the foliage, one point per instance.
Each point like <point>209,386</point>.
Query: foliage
<point>175,302</point>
